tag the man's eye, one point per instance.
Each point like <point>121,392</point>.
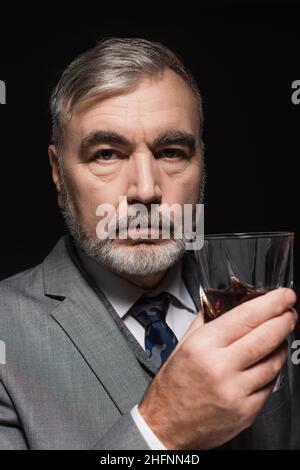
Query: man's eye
<point>171,153</point>
<point>106,154</point>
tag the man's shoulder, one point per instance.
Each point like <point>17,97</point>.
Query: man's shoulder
<point>24,286</point>
<point>25,291</point>
<point>24,308</point>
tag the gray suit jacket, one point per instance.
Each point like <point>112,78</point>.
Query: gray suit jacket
<point>73,370</point>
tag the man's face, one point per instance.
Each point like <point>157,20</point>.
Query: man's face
<point>143,144</point>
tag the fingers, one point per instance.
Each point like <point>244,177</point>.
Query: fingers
<point>244,318</point>
<point>259,343</point>
<point>265,372</point>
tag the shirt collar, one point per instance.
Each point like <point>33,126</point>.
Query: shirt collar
<point>122,294</point>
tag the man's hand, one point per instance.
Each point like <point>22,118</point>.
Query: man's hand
<point>220,374</point>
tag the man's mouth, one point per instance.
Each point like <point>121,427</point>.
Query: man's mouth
<point>144,232</point>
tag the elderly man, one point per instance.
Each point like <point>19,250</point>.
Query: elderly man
<point>105,341</point>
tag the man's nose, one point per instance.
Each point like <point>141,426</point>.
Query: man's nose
<point>143,179</point>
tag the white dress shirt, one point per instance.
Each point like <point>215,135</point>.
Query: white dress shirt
<point>123,295</point>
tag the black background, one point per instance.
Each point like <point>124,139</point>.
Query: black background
<point>245,58</point>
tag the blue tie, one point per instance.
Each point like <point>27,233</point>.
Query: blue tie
<point>160,340</point>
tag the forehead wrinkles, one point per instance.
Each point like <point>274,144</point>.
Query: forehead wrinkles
<point>132,124</point>
<point>131,108</point>
<point>135,113</point>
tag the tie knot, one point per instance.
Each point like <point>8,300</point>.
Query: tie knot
<point>148,310</point>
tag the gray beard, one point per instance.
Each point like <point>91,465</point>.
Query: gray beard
<point>140,259</point>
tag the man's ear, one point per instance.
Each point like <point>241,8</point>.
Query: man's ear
<point>53,158</point>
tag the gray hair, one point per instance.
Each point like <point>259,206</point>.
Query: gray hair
<point>112,66</point>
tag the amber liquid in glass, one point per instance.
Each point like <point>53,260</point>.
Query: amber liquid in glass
<point>218,301</point>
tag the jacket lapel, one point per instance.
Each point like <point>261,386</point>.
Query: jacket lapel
<point>84,318</point>
<point>134,345</point>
